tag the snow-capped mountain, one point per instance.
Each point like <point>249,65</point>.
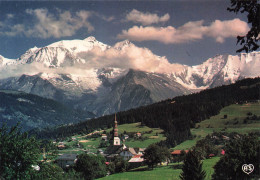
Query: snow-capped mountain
<point>219,70</point>
<point>5,62</point>
<point>103,79</point>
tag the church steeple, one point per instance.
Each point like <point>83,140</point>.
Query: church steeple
<point>116,141</point>
<point>115,128</point>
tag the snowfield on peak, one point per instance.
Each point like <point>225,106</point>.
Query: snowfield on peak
<point>77,46</point>
<point>90,75</point>
<point>6,62</point>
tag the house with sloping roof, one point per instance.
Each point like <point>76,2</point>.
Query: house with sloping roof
<point>138,134</point>
<point>127,153</point>
<point>66,160</point>
<point>104,137</point>
<point>136,161</point>
<point>178,153</point>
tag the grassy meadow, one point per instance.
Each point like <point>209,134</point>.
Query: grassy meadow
<point>170,172</point>
<point>90,144</point>
<point>234,122</point>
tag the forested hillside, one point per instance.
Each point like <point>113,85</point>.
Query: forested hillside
<point>175,116</point>
<point>33,111</point>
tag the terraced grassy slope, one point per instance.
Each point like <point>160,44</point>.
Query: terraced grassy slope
<point>234,122</point>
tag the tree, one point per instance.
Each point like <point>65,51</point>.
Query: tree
<point>120,165</point>
<point>239,151</point>
<point>205,147</point>
<point>48,171</point>
<point>192,167</point>
<point>154,154</point>
<point>91,166</point>
<point>166,154</point>
<point>18,153</point>
<point>252,8</point>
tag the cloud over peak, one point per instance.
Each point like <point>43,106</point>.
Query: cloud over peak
<point>146,18</point>
<point>190,31</point>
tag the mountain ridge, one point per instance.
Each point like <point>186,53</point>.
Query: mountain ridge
<point>90,75</point>
<point>33,111</point>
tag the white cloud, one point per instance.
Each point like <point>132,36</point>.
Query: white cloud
<point>45,24</point>
<point>191,31</point>
<point>10,16</point>
<point>130,57</point>
<point>224,29</point>
<point>146,18</point>
<point>63,24</point>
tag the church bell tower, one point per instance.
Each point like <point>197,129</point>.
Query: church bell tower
<point>116,141</point>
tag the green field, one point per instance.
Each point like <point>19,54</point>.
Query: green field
<point>133,127</point>
<point>236,113</point>
<point>150,136</point>
<point>171,172</point>
<point>234,122</point>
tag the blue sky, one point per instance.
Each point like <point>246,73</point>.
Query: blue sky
<point>186,32</point>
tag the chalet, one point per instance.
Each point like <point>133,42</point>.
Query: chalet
<point>36,167</point>
<point>128,153</point>
<point>136,161</point>
<point>61,146</point>
<point>66,160</point>
<point>100,151</point>
<point>211,155</point>
<point>125,137</point>
<point>222,152</point>
<point>177,153</point>
<point>104,137</point>
<point>141,150</point>
<point>225,137</point>
<point>138,134</point>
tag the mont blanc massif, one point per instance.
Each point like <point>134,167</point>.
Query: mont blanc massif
<point>101,79</point>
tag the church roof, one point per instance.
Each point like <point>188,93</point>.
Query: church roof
<point>113,149</point>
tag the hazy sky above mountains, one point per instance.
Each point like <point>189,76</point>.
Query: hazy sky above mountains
<point>186,32</point>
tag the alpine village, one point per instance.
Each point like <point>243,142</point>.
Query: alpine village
<point>76,108</point>
<point>203,131</point>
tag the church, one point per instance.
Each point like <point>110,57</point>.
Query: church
<point>116,148</point>
<point>116,139</point>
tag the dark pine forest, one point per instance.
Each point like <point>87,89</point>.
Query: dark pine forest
<point>175,116</point>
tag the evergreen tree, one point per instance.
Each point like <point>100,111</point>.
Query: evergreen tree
<point>18,153</point>
<point>192,167</point>
<point>245,149</point>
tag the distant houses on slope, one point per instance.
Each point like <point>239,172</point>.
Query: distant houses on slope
<point>116,148</point>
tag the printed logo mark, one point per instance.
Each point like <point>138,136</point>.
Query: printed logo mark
<point>248,168</point>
